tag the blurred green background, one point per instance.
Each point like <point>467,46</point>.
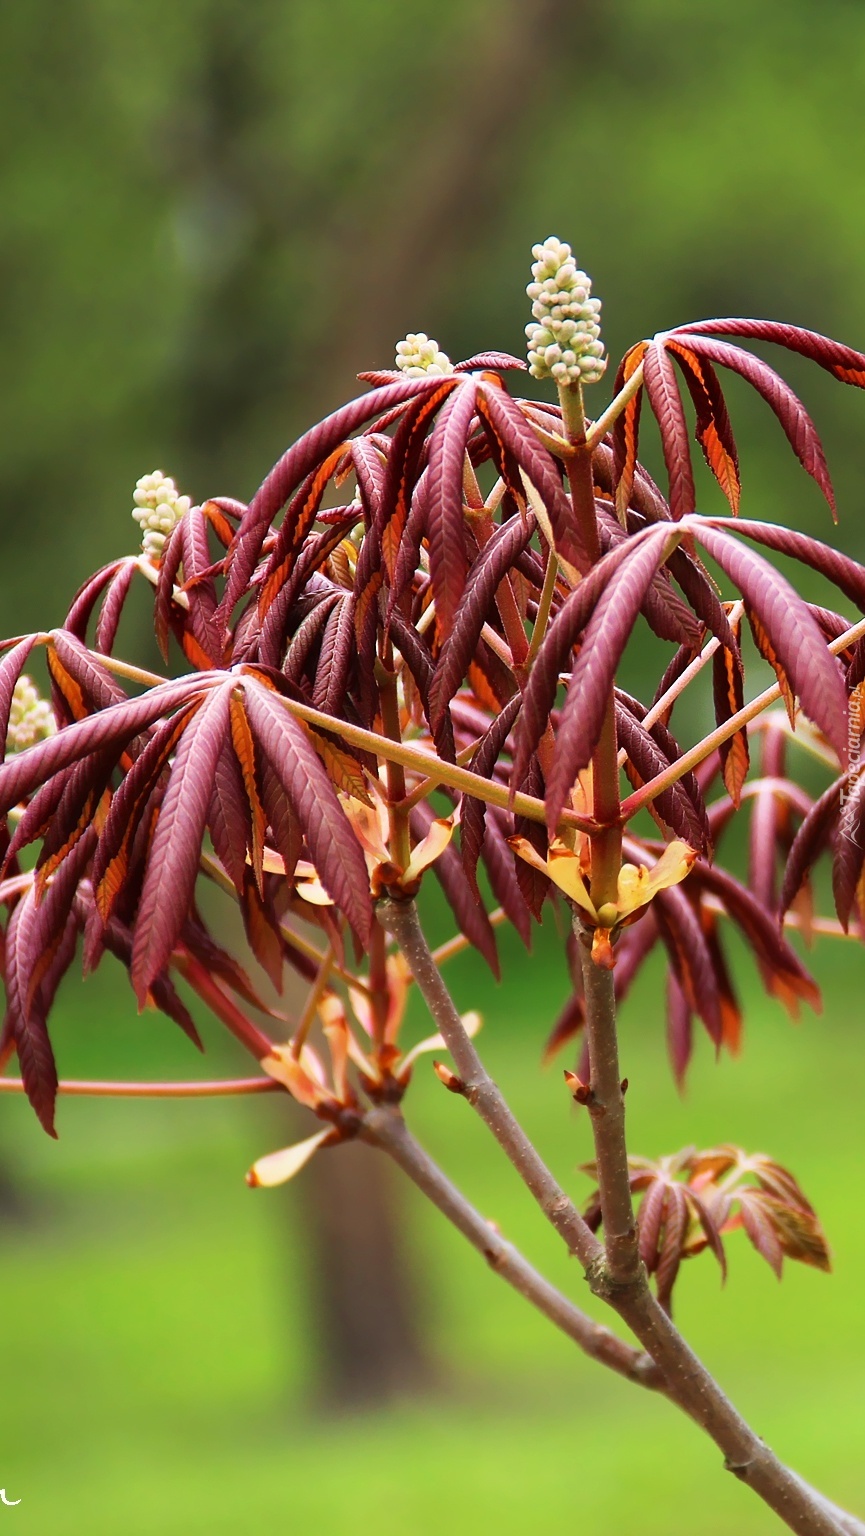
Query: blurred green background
<point>213,215</point>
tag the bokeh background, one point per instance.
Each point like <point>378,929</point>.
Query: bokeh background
<point>214,214</point>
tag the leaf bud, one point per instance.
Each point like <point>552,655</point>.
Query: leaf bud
<point>444,1074</point>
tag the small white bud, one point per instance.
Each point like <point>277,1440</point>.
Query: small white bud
<point>419,355</point>
<point>31,718</point>
<point>158,509</point>
<point>564,342</point>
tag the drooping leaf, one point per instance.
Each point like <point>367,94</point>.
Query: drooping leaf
<point>813,671</point>
<point>790,980</point>
<point>814,835</point>
<point>114,726</point>
<point>553,654</point>
<point>518,446</point>
<point>666,402</point>
<point>333,847</point>
<point>471,916</point>
<point>112,607</point>
<point>295,464</point>
<point>445,525</point>
<point>849,850</point>
<point>336,658</point>
<point>488,571</point>
<point>83,681</point>
<point>841,361</point>
<point>797,424</point>
<point>473,811</point>
<point>604,641</point>
<point>27,1026</point>
<point>228,816</point>
<point>848,575</point>
<point>11,667</point>
<point>172,867</point>
<point>714,431</point>
<point>626,433</point>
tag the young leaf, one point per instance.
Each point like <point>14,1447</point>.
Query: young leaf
<point>332,844</point>
<point>795,637</point>
<point>172,866</point>
<point>604,641</point>
<point>663,394</point>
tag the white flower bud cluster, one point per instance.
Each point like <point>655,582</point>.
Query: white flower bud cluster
<point>31,718</point>
<point>418,355</point>
<point>564,338</point>
<point>158,509</point>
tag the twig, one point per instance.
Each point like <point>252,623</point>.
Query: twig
<point>400,918</point>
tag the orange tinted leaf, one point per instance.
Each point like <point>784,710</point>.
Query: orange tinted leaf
<point>767,651</point>
<point>244,749</point>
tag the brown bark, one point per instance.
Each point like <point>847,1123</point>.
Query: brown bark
<point>362,1290</point>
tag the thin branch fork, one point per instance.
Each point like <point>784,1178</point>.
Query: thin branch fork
<point>384,1127</point>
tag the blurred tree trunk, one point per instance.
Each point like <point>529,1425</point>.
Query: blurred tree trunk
<point>362,1289</point>
<point>242,226</point>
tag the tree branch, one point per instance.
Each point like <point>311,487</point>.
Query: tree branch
<point>606,1105</point>
<point>687,1380</point>
<point>384,1127</point>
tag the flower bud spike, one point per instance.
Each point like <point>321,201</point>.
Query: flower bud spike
<point>564,338</point>
<point>418,355</point>
<point>158,509</point>
<point>31,717</point>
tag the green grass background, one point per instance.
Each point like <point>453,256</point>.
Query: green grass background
<point>154,1368</point>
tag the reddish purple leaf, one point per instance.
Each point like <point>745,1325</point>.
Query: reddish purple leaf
<point>848,575</point>
<point>500,362</point>
<point>846,364</point>
<point>473,812</point>
<point>813,837</point>
<point>663,393</point>
<point>27,1026</point>
<point>295,464</point>
<point>113,603</point>
<point>604,641</point>
<point>814,673</point>
<point>849,850</point>
<point>333,847</point>
<point>86,597</point>
<point>172,867</point>
<point>114,726</point>
<point>471,916</point>
<point>517,439</point>
<point>791,413</point>
<point>680,1034</point>
<point>11,667</point>
<point>489,570</point>
<point>445,522</point>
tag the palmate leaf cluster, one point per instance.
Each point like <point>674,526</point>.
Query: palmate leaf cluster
<point>388,672</point>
